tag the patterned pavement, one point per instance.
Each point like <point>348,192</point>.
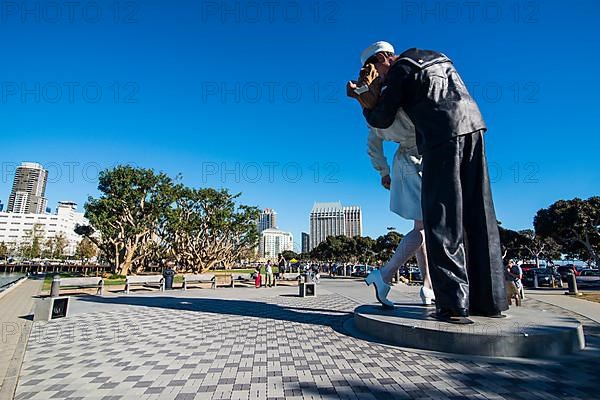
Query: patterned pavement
<point>271,345</point>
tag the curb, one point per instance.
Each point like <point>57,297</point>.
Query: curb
<point>12,286</point>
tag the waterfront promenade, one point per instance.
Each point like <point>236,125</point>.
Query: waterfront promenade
<point>15,318</point>
<point>247,343</point>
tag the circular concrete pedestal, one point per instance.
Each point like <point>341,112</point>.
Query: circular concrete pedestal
<point>524,333</point>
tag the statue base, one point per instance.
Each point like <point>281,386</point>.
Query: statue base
<point>525,332</point>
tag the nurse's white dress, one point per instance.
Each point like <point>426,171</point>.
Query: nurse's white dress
<point>405,188</point>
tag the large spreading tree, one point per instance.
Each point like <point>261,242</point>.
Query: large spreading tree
<point>206,228</point>
<point>574,224</point>
<point>143,218</point>
<point>126,214</point>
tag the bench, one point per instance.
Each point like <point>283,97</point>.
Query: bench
<point>80,283</point>
<point>144,280</point>
<point>200,278</point>
<point>242,278</point>
<point>288,277</point>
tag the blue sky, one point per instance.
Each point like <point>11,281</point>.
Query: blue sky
<point>250,96</point>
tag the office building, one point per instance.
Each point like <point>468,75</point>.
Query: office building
<point>332,219</point>
<point>267,220</point>
<point>353,221</point>
<point>326,219</point>
<point>16,228</point>
<point>305,242</point>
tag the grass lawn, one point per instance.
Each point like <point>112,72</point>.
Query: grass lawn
<point>595,297</point>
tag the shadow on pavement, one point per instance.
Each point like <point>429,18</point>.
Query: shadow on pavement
<point>245,308</point>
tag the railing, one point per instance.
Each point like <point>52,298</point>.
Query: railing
<point>46,268</point>
<point>8,284</point>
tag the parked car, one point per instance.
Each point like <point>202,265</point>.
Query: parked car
<point>544,276</point>
<point>362,271</point>
<point>588,278</point>
<point>412,273</point>
<point>565,270</point>
<point>527,267</point>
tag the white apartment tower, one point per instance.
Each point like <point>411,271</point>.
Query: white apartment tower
<point>273,242</point>
<point>28,190</point>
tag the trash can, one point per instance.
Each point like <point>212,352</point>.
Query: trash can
<point>168,274</point>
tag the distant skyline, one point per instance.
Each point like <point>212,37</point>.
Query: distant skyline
<point>224,101</point>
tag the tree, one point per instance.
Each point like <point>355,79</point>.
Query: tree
<point>31,247</point>
<point>385,245</point>
<point>127,213</point>
<point>54,247</point>
<point>364,249</point>
<point>86,249</point>
<point>345,249</point>
<point>574,224</point>
<point>206,228</point>
<point>289,255</point>
<point>3,251</point>
<point>512,244</point>
<point>539,247</point>
<point>331,249</point>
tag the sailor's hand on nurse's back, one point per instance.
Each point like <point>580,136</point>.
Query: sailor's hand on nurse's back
<point>386,181</point>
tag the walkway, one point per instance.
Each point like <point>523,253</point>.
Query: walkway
<point>15,308</point>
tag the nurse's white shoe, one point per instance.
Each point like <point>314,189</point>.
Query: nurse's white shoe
<point>381,288</point>
<point>427,295</point>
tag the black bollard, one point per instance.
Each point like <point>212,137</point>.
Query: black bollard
<point>572,282</point>
<point>55,288</point>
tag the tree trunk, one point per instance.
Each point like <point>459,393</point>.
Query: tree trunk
<point>127,262</point>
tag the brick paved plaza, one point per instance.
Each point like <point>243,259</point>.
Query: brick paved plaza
<point>246,343</point>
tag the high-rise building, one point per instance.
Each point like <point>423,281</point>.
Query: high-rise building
<point>326,219</point>
<point>305,242</point>
<point>16,228</point>
<point>331,219</point>
<point>28,190</point>
<point>353,221</point>
<point>273,242</point>
<point>267,220</point>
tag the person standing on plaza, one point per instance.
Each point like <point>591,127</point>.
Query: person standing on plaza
<point>269,274</point>
<point>257,277</point>
<point>516,273</point>
<point>281,263</point>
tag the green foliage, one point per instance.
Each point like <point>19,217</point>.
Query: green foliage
<point>289,255</point>
<point>206,227</point>
<point>358,249</point>
<point>127,213</point>
<point>512,243</point>
<point>143,217</point>
<point>86,249</point>
<point>386,245</point>
<point>3,251</point>
<point>31,247</point>
<point>574,224</point>
<point>55,247</point>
